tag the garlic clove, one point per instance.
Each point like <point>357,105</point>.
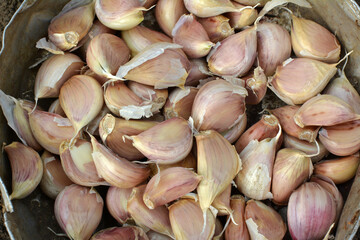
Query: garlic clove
<point>292,167</point>
<point>273,46</point>
<point>338,170</point>
<point>165,143</point>
<point>93,126</point>
<point>235,132</point>
<point>55,107</point>
<point>88,72</point>
<point>319,111</point>
<point>168,12</point>
<point>117,171</point>
<point>217,175</point>
<point>256,85</point>
<point>253,2</point>
<point>294,85</point>
<point>219,105</point>
<point>81,98</point>
<point>78,211</point>
<point>244,18</point>
<point>209,8</point>
<point>152,235</point>
<point>156,219</point>
<point>118,233</point>
<point>71,24</point>
<point>148,3</point>
<point>263,222</point>
<point>311,211</point>
<point>54,179</point>
<point>168,185</point>
<point>106,53</point>
<point>310,39</point>
<point>26,169</point>
<point>78,163</point>
<point>180,102</point>
<point>181,211</point>
<point>218,235</point>
<point>222,202</point>
<point>238,230</point>
<point>217,27</point>
<point>116,203</point>
<point>119,15</point>
<point>199,70</point>
<point>235,55</point>
<point>54,72</point>
<point>190,34</point>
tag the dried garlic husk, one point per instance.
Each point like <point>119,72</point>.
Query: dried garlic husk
<point>185,209</point>
<point>106,53</point>
<point>88,72</point>
<point>222,202</point>
<point>238,230</point>
<point>218,235</point>
<point>253,2</point>
<point>114,233</point>
<point>254,180</point>
<point>140,37</point>
<point>55,107</point>
<point>156,96</point>
<point>338,170</point>
<point>26,169</point>
<point>298,80</point>
<point>217,27</point>
<point>311,211</point>
<point>119,15</point>
<point>71,24</point>
<point>319,111</point>
<point>235,132</point>
<point>167,142</point>
<point>112,131</point>
<point>156,219</point>
<point>219,105</point>
<point>292,167</point>
<point>78,163</point>
<point>116,202</point>
<point>54,72</point>
<point>209,8</point>
<point>217,175</point>
<point>311,40</point>
<point>93,126</point>
<point>256,85</point>
<point>152,235</point>
<point>189,162</point>
<point>116,170</point>
<point>235,55</point>
<point>78,211</point>
<point>342,139</point>
<point>54,179</point>
<point>168,12</point>
<point>263,222</point>
<point>180,102</point>
<point>244,18</point>
<point>273,46</point>
<point>199,70</point>
<point>168,185</point>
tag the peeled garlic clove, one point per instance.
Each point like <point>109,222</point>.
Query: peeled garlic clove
<point>253,2</point>
<point>267,127</point>
<point>156,219</point>
<point>78,163</point>
<point>219,105</point>
<point>235,55</point>
<point>311,40</point>
<point>209,8</point>
<point>106,53</point>
<point>217,175</point>
<point>292,167</point>
<point>189,33</point>
<point>198,71</point>
<point>167,142</point>
<point>254,180</point>
<point>263,222</point>
<point>241,19</point>
<point>297,80</point>
<point>117,171</point>
<point>240,230</point>
<point>306,147</point>
<point>26,169</point>
<point>119,15</point>
<point>217,27</point>
<point>54,179</point>
<point>180,102</point>
<point>168,185</point>
<point>235,132</point>
<point>50,129</point>
<point>168,12</point>
<point>116,203</point>
<point>71,24</point>
<point>222,202</point>
<point>54,72</point>
<point>114,233</point>
<point>256,85</point>
<point>78,211</point>
<point>185,209</point>
<point>319,111</point>
<point>81,98</point>
<point>286,118</point>
<point>338,170</point>
<point>274,46</point>
<point>311,211</point>
<point>140,37</point>
<point>342,139</point>
<point>152,235</point>
<point>55,107</point>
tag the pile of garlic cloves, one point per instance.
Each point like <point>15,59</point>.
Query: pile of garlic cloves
<point>158,117</point>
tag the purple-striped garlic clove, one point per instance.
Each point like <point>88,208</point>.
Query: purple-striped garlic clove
<point>116,202</point>
<point>209,8</point>
<point>117,233</point>
<point>256,85</point>
<point>199,70</point>
<point>168,12</point>
<point>180,102</point>
<point>55,107</point>
<point>93,126</point>
<point>217,27</point>
<point>152,235</point>
<point>222,202</point>
<point>235,132</point>
<point>244,18</point>
<point>238,230</point>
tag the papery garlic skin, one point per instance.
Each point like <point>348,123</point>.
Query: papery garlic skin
<point>256,85</point>
<point>129,232</point>
<point>168,12</point>
<point>235,132</point>
<point>199,70</point>
<point>239,231</point>
<point>253,2</point>
<point>222,202</point>
<point>243,18</point>
<point>116,202</point>
<point>209,8</point>
<point>180,102</point>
